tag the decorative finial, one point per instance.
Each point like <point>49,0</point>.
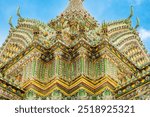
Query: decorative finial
<point>10,22</point>
<point>104,25</point>
<point>137,23</point>
<point>104,30</point>
<point>18,12</point>
<point>75,5</point>
<point>131,12</point>
<point>76,0</point>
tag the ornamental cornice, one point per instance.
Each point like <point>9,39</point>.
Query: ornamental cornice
<point>23,61</point>
<point>132,85</point>
<point>65,49</point>
<point>9,91</point>
<point>70,88</point>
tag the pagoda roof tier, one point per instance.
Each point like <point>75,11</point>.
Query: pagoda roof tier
<point>70,27</point>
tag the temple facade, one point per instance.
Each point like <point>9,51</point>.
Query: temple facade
<point>72,57</point>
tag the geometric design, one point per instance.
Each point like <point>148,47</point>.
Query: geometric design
<point>73,57</point>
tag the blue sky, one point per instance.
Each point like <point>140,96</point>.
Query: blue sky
<point>107,10</point>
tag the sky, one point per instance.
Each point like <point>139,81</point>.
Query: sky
<point>101,10</point>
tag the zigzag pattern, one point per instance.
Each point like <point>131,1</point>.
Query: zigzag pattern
<point>68,89</point>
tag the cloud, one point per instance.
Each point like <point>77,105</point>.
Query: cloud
<point>144,34</point>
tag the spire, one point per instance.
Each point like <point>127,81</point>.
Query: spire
<point>18,12</point>
<point>137,23</point>
<point>10,22</point>
<point>75,5</point>
<point>131,12</point>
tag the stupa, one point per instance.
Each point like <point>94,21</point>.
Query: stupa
<point>72,57</point>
